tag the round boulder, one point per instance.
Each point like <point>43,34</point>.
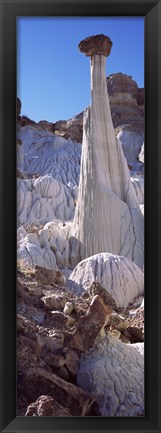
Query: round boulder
<point>121,277</point>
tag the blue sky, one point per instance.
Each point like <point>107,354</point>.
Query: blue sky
<point>53,77</point>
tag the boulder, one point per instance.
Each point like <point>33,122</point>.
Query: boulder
<point>135,326</point>
<point>90,325</point>
<point>46,406</point>
<point>122,278</point>
<point>71,397</point>
<point>98,44</point>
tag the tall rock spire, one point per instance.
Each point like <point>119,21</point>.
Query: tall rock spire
<point>108,217</point>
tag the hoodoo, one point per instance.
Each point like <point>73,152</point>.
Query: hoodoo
<point>108,217</point>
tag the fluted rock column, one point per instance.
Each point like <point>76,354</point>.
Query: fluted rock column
<point>108,216</point>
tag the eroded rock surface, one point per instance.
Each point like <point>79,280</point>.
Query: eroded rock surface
<point>47,247</point>
<point>46,406</point>
<point>45,153</point>
<point>122,279</point>
<point>106,196</point>
<point>72,398</point>
<point>76,354</point>
<point>43,199</point>
<point>114,372</point>
<point>99,44</point>
<point>54,329</point>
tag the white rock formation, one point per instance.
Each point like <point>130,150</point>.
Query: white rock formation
<point>114,373</point>
<point>131,143</point>
<point>123,279</point>
<point>141,155</point>
<point>138,184</point>
<point>45,153</point>
<point>108,216</point>
<point>142,208</point>
<point>49,247</point>
<point>42,200</point>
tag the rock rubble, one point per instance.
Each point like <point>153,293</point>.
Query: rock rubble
<point>51,348</point>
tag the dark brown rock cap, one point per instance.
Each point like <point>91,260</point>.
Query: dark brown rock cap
<point>99,44</point>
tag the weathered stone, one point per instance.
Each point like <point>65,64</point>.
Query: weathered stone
<point>48,126</point>
<point>97,289</point>
<point>71,397</point>
<point>114,372</point>
<point>54,360</point>
<point>141,96</point>
<point>53,342</point>
<point>48,276</point>
<point>122,83</point>
<point>53,301</point>
<point>135,326</point>
<point>107,216</point>
<point>90,325</point>
<point>122,278</point>
<point>99,44</point>
<point>68,308</point>
<point>72,360</point>
<point>117,322</point>
<point>46,406</point>
<point>63,373</point>
<point>28,353</point>
<point>59,319</point>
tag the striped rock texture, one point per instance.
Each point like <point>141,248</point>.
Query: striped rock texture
<point>123,279</point>
<point>43,199</point>
<point>108,216</point>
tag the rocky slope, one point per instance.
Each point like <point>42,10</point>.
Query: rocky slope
<point>61,336</point>
<point>80,327</point>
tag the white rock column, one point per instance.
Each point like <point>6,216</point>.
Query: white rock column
<point>108,217</point>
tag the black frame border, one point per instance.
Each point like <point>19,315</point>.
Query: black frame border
<point>151,10</point>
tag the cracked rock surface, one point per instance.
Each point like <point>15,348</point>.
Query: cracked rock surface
<point>114,372</point>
